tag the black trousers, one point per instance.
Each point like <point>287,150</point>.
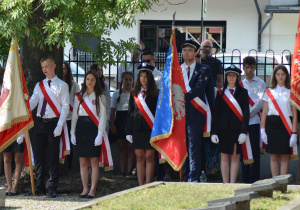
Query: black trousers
<point>251,172</point>
<point>46,148</point>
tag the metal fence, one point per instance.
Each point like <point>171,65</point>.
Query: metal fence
<point>266,61</point>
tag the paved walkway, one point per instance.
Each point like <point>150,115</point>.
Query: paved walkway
<point>43,202</point>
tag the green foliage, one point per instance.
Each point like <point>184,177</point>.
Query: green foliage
<point>51,23</point>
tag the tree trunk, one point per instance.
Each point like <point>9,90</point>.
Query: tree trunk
<point>31,55</point>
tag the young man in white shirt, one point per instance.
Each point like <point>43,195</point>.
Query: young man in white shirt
<point>48,127</point>
<point>256,88</point>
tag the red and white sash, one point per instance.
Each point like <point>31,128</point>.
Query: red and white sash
<point>105,159</point>
<point>148,116</point>
<point>285,119</point>
<point>144,109</point>
<point>64,145</point>
<point>253,99</point>
<point>201,107</point>
<point>235,107</point>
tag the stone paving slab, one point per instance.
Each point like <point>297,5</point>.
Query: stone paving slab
<point>227,206</point>
<point>233,199</point>
<point>264,186</point>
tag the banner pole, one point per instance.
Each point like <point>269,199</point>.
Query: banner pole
<point>30,163</point>
<point>180,174</point>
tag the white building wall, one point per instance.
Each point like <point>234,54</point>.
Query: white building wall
<point>283,28</point>
<point>242,22</point>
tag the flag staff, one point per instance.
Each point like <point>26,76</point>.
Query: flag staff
<point>173,27</point>
<point>30,163</point>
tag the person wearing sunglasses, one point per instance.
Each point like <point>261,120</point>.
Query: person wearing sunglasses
<point>149,58</point>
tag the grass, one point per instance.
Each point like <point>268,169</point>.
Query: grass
<point>170,196</point>
<point>173,196</point>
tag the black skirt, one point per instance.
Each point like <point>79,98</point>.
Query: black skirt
<point>14,148</point>
<point>227,139</point>
<point>278,137</point>
<point>141,140</point>
<point>86,132</point>
<point>120,123</point>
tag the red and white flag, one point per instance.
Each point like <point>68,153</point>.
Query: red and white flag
<point>295,84</point>
<point>15,113</point>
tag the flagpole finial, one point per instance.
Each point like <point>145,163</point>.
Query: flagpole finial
<point>173,23</point>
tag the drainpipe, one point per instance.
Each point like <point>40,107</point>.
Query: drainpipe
<point>259,26</point>
<point>265,25</point>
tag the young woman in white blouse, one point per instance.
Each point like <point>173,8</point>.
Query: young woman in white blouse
<point>85,134</point>
<point>118,118</point>
<point>279,129</point>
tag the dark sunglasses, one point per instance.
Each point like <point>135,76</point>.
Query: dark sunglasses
<point>147,61</point>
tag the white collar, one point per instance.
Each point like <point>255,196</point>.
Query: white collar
<point>191,66</point>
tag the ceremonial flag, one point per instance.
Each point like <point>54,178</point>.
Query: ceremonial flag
<point>168,133</point>
<point>295,84</point>
<point>15,113</point>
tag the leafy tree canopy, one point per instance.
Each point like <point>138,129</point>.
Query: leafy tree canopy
<point>57,21</point>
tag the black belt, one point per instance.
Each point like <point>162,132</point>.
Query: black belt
<point>47,120</point>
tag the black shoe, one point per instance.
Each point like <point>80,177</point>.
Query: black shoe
<point>82,195</point>
<point>52,194</point>
<point>12,193</point>
<point>37,193</point>
<point>90,196</point>
<point>7,193</point>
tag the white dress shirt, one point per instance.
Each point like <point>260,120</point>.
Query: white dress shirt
<point>283,95</point>
<point>141,95</point>
<point>256,86</point>
<point>185,69</point>
<point>157,77</point>
<point>61,91</point>
<point>82,112</point>
<point>123,103</point>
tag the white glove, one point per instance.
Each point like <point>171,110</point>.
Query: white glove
<point>73,139</point>
<point>57,131</point>
<point>293,140</point>
<point>99,139</point>
<point>129,138</point>
<point>242,138</point>
<point>214,139</point>
<point>20,139</point>
<point>263,135</point>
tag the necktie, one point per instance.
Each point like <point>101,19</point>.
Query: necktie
<point>188,73</point>
<point>44,103</point>
<point>231,90</point>
<point>143,93</point>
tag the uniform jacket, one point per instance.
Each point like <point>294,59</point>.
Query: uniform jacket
<point>223,118</point>
<point>135,119</point>
<point>201,84</point>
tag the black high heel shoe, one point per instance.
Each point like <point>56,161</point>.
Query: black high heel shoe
<point>82,195</point>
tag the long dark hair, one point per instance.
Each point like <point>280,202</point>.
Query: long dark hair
<point>124,74</point>
<point>69,77</point>
<point>97,90</point>
<point>237,83</point>
<point>94,67</point>
<point>151,86</point>
<point>287,80</point>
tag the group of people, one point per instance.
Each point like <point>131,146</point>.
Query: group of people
<point>234,108</point>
